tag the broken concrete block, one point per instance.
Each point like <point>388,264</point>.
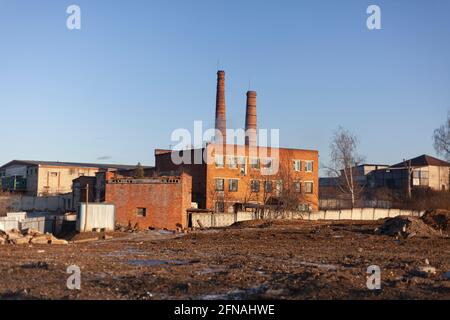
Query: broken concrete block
<point>44,239</point>
<point>59,241</point>
<point>425,270</point>
<point>21,241</point>
<point>2,240</point>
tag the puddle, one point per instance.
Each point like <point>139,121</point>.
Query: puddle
<point>211,271</point>
<point>154,263</point>
<point>35,265</point>
<point>236,294</point>
<point>125,252</point>
<point>319,265</point>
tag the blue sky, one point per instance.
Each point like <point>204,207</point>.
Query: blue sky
<point>139,69</point>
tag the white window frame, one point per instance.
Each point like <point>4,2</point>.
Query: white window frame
<point>306,165</point>
<point>312,187</point>
<point>299,167</point>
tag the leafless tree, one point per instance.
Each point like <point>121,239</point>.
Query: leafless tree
<point>344,158</point>
<point>441,139</point>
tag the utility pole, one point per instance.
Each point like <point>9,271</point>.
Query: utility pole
<point>409,170</point>
<point>87,207</point>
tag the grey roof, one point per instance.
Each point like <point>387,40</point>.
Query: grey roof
<point>72,164</point>
<point>422,161</point>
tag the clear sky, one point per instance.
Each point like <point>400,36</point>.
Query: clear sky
<point>116,89</point>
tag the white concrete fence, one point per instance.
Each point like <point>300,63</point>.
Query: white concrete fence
<point>216,220</point>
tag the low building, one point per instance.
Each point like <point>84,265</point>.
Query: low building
<point>48,178</point>
<point>421,172</point>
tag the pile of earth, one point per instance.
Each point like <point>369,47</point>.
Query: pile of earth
<point>407,227</point>
<point>438,219</point>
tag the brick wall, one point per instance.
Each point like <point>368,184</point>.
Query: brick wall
<point>165,200</point>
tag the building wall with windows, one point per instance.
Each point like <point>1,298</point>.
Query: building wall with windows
<point>240,174</point>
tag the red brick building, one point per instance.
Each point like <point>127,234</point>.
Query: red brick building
<point>157,202</point>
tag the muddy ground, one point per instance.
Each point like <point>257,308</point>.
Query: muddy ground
<point>280,260</point>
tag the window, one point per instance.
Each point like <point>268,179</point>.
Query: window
<point>268,186</point>
<point>255,163</point>
<point>309,166</point>
<point>233,185</point>
<point>142,212</point>
<point>220,206</point>
<point>219,160</point>
<point>53,174</point>
<point>309,187</point>
<point>279,187</point>
<point>267,163</point>
<point>220,184</point>
<point>255,186</point>
<point>297,165</point>
<point>242,165</point>
<point>232,162</point>
<point>297,186</point>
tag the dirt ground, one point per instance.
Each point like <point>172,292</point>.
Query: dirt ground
<point>254,260</point>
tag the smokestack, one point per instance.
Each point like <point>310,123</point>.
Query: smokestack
<point>250,119</point>
<point>221,118</point>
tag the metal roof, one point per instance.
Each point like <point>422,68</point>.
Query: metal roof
<point>72,164</point>
<point>422,161</point>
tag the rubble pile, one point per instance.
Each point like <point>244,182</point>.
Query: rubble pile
<point>406,227</point>
<point>438,219</point>
<point>28,236</point>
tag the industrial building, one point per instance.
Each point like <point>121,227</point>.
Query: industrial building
<point>229,179</point>
<point>48,178</point>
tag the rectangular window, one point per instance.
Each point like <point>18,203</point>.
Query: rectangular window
<point>309,187</point>
<point>233,185</point>
<point>268,186</point>
<point>255,163</point>
<point>297,165</point>
<point>267,163</point>
<point>297,186</point>
<point>309,166</point>
<point>220,184</point>
<point>279,187</point>
<point>255,186</point>
<point>232,162</point>
<point>242,164</point>
<point>220,206</point>
<point>142,212</point>
<point>219,160</point>
<point>53,174</point>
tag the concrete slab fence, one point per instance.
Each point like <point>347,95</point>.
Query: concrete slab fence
<point>217,220</point>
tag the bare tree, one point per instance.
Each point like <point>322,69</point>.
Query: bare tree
<point>441,139</point>
<point>344,158</point>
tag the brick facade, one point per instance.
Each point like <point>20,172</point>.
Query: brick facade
<point>159,202</point>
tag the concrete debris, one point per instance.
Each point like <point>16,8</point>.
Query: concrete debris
<point>406,227</point>
<point>28,236</point>
<point>425,271</point>
<point>438,219</point>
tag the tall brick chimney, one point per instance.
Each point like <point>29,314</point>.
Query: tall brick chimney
<point>250,119</point>
<point>221,118</point>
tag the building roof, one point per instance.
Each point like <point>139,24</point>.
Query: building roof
<point>423,161</point>
<point>72,164</point>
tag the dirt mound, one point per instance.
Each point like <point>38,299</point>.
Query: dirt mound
<point>438,219</point>
<point>252,224</point>
<point>406,227</point>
